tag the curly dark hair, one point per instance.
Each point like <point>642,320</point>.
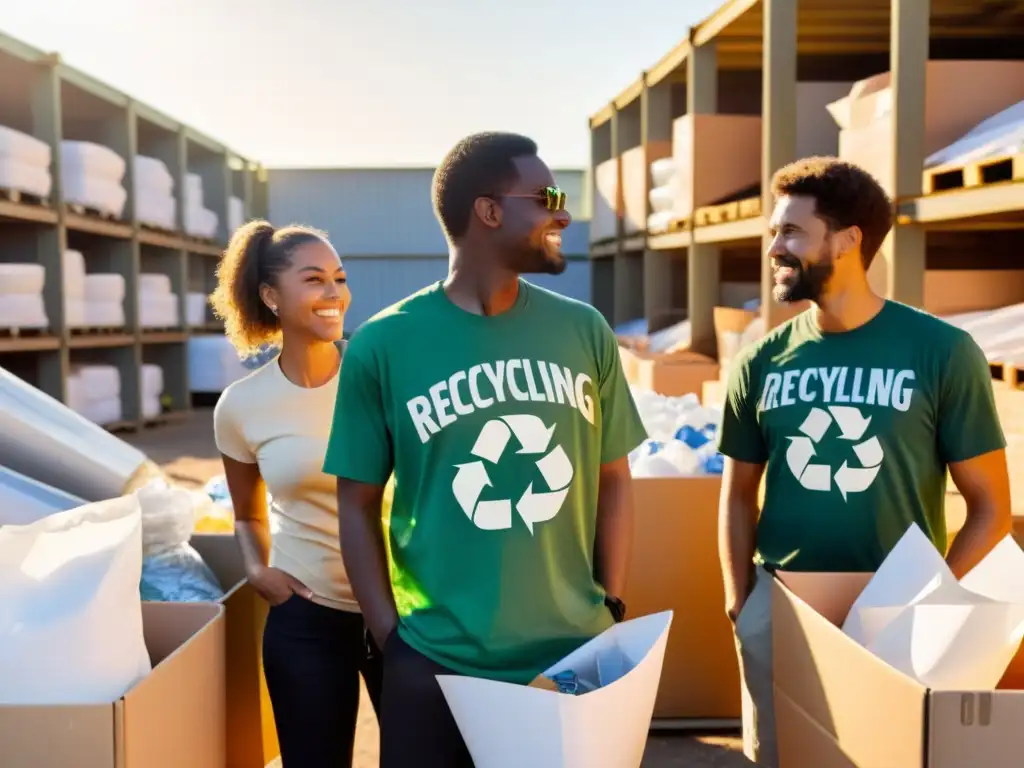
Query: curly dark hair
<point>257,254</point>
<point>845,195</point>
<point>479,165</point>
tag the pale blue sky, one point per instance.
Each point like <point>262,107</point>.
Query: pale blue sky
<point>364,83</point>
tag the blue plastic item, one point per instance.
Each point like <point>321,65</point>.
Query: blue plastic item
<point>178,575</point>
<point>715,465</point>
<point>692,437</point>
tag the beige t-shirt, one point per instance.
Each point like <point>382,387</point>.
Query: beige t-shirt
<point>266,419</point>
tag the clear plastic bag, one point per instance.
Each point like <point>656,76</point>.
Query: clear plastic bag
<point>172,570</point>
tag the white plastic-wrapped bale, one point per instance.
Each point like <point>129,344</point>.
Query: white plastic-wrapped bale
<point>152,390</point>
<point>155,204</point>
<point>91,176</point>
<point>236,213</point>
<point>199,220</point>
<point>21,296</point>
<point>195,308</point>
<point>24,163</point>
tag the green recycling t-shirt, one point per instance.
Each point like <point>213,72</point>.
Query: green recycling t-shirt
<point>857,429</point>
<point>495,429</point>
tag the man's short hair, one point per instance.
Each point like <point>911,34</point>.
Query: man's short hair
<point>479,165</point>
<point>845,195</point>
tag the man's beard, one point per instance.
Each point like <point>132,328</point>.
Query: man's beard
<point>532,260</point>
<point>810,280</point>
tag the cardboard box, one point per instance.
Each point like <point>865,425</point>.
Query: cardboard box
<point>953,105</point>
<point>250,732</point>
<point>675,373</point>
<point>173,718</point>
<point>839,706</point>
<point>729,159</point>
<point>675,567</point>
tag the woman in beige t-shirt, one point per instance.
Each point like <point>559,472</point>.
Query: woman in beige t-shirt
<point>288,286</point>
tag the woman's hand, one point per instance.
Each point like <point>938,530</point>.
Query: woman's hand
<point>275,586</point>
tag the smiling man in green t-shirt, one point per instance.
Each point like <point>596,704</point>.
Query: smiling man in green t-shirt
<point>503,412</point>
<point>852,411</point>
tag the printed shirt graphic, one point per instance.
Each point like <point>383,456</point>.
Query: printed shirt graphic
<point>497,427</point>
<point>857,429</point>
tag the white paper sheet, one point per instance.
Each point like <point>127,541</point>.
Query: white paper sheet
<point>511,726</point>
<point>949,635</point>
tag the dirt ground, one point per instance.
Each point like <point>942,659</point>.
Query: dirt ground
<point>188,454</point>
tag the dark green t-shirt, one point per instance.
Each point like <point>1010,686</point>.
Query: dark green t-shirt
<point>495,428</point>
<point>857,429</point>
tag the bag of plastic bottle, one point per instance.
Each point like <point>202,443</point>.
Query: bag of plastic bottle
<point>172,570</point>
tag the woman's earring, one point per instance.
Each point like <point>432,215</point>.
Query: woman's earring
<point>274,310</point>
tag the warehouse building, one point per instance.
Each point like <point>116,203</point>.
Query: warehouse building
<point>382,223</point>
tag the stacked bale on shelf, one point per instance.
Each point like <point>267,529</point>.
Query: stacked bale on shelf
<point>152,390</point>
<point>21,297</point>
<point>104,300</point>
<point>195,308</point>
<point>24,163</point>
<point>92,176</point>
<point>199,220</point>
<point>94,392</point>
<point>236,213</point>
<point>155,205</point>
<point>158,304</point>
<point>664,178</point>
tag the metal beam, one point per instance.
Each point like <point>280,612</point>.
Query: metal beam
<point>903,254</point>
<point>778,137</point>
<point>728,13</point>
<point>703,274</point>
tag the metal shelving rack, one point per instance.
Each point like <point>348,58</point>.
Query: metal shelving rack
<point>44,97</point>
<point>769,46</point>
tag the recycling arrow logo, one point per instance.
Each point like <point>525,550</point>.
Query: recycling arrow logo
<point>533,506</point>
<point>819,477</point>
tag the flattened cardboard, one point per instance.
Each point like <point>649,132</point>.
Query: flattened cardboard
<point>174,717</point>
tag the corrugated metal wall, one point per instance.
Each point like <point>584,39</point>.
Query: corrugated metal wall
<point>382,223</point>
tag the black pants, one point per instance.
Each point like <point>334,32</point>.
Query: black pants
<point>417,729</point>
<point>312,659</point>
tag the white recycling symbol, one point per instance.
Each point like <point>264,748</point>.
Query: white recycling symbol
<point>533,507</point>
<point>819,477</point>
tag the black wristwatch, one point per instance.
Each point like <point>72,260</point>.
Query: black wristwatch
<point>617,608</point>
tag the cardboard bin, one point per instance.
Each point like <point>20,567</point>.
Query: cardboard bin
<point>174,717</point>
<point>839,706</point>
<point>675,567</point>
<point>675,373</point>
<point>250,732</point>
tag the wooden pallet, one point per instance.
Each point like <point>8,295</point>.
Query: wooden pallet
<point>1009,373</point>
<point>100,331</point>
<point>159,230</point>
<point>735,210</point>
<point>202,240</point>
<point>23,198</point>
<point>92,213</point>
<point>23,333</point>
<point>673,226</point>
<point>991,170</point>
